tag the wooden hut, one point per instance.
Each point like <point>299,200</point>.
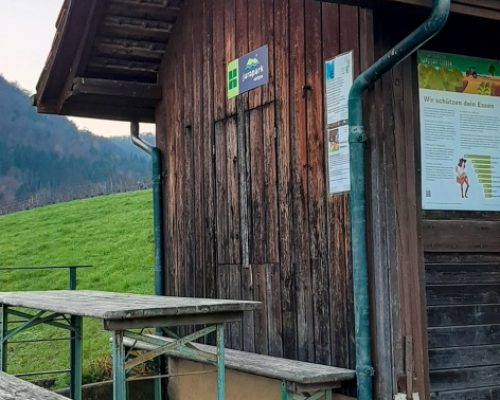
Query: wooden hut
<point>247,206</point>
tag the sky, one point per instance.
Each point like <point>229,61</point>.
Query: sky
<point>27,28</point>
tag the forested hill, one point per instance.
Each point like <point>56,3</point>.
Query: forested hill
<point>47,158</point>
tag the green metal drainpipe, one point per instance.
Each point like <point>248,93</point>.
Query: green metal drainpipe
<point>159,254</point>
<point>357,139</point>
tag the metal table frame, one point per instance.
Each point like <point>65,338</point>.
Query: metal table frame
<point>121,313</point>
<point>26,321</point>
<point>181,345</point>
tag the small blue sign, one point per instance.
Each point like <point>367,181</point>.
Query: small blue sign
<point>248,72</point>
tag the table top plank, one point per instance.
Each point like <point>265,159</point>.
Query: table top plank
<point>12,388</point>
<point>122,306</point>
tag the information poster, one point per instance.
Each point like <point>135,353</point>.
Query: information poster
<point>460,132</point>
<point>338,82</point>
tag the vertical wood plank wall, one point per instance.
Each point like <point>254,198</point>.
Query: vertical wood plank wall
<point>298,236</point>
<point>403,233</point>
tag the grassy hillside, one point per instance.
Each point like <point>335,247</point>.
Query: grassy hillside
<point>113,233</point>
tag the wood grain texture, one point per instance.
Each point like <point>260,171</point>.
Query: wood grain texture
<point>296,258</point>
<point>464,357</point>
<point>484,393</point>
<point>462,236</point>
<point>316,181</point>
<point>282,90</point>
<point>272,367</point>
<point>484,9</point>
<point>460,336</point>
<point>12,388</point>
<point>464,331</point>
<point>109,305</point>
<point>299,229</point>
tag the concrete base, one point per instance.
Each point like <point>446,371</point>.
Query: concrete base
<point>140,390</point>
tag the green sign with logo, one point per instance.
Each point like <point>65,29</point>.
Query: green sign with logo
<point>248,72</point>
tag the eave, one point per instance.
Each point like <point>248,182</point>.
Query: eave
<point>105,59</point>
<point>106,55</point>
<point>480,8</point>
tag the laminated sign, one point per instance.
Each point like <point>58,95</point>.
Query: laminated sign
<point>338,82</point>
<point>459,132</point>
<point>248,72</point>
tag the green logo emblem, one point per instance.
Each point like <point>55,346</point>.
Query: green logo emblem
<point>232,80</point>
<point>252,63</point>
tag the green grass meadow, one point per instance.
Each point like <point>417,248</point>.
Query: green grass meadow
<point>113,234</point>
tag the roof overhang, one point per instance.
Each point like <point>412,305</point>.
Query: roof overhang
<point>480,8</point>
<point>105,59</point>
<point>106,55</point>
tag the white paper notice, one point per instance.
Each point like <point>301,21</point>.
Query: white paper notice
<point>338,159</point>
<point>338,82</point>
<point>460,133</point>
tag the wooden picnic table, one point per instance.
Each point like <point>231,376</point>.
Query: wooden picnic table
<point>12,388</point>
<point>121,312</point>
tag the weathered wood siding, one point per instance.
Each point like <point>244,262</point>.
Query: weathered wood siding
<point>463,306</point>
<point>458,246</point>
<point>298,237</point>
<point>294,252</point>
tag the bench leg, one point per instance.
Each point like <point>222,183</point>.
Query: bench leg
<point>119,374</point>
<point>221,373</point>
<point>284,391</point>
<point>158,383</point>
<point>76,358</point>
<point>3,331</point>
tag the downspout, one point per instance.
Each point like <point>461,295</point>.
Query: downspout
<point>159,255</point>
<point>357,139</point>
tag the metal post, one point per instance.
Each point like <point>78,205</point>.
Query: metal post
<point>357,140</point>
<point>72,278</point>
<point>119,374</point>
<point>4,312</point>
<point>328,395</point>
<point>76,358</point>
<point>284,391</point>
<point>158,383</point>
<point>159,250</point>
<point>221,373</point>
<point>75,347</point>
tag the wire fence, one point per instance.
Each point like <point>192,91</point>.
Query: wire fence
<point>76,192</point>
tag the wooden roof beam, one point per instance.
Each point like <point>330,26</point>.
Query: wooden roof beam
<point>361,3</point>
<point>108,67</point>
<point>84,49</point>
<point>136,28</point>
<point>109,111</point>
<point>173,4</point>
<point>116,88</point>
<point>139,49</point>
<point>91,109</point>
<point>479,8</point>
<point>68,40</point>
<point>144,11</point>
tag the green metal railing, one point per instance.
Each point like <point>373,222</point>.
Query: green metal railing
<point>71,271</point>
<point>23,321</point>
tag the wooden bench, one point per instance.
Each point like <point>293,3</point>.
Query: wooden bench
<point>299,380</point>
<point>12,388</point>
